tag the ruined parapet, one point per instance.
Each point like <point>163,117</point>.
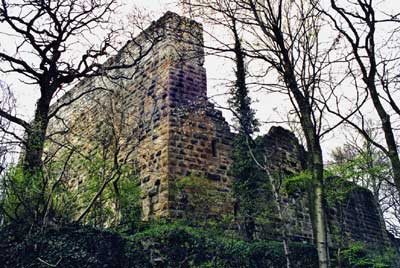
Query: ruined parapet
<point>285,157</point>
<point>283,151</point>
<point>200,147</point>
<point>356,218</point>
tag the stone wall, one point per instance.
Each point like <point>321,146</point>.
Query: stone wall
<point>200,147</point>
<point>173,130</point>
<point>168,130</point>
<point>286,157</point>
<point>356,219</point>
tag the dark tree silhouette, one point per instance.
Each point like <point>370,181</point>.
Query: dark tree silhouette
<point>47,35</point>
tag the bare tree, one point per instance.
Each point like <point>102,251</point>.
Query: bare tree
<point>48,33</point>
<point>287,32</point>
<point>283,37</point>
<point>49,39</point>
<point>357,22</point>
<point>362,163</point>
<point>115,141</point>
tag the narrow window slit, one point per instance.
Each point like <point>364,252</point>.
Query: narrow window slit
<point>214,148</point>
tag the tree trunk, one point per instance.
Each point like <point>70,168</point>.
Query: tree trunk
<point>278,203</point>
<point>36,135</point>
<point>316,166</point>
<point>320,226</point>
<point>392,153</point>
<point>32,163</point>
<point>319,222</point>
<point>317,171</point>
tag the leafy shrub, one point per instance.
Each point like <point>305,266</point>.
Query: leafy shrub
<point>298,183</point>
<point>201,198</point>
<point>24,198</point>
<point>168,245</point>
<point>72,246</point>
<point>182,246</point>
<point>358,255</point>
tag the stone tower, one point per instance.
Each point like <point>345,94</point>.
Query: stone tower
<point>171,132</point>
<point>177,132</point>
<point>187,136</point>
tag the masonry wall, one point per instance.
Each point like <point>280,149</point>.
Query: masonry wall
<point>200,147</point>
<point>285,157</point>
<point>168,130</point>
<point>356,219</point>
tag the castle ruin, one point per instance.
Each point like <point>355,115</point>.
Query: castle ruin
<point>175,132</point>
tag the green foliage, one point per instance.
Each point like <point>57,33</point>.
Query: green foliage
<point>129,200</point>
<point>297,184</point>
<point>194,182</point>
<point>94,163</point>
<point>166,245</point>
<point>66,186</point>
<point>240,100</point>
<point>71,246</point>
<point>356,167</point>
<point>352,172</point>
<point>338,190</point>
<point>201,195</point>
<point>24,197</point>
<point>175,245</point>
<point>119,202</point>
<point>358,255</point>
<point>249,185</point>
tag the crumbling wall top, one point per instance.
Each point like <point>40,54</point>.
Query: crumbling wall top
<point>174,34</point>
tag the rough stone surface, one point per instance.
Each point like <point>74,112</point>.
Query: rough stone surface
<point>358,216</point>
<point>175,132</point>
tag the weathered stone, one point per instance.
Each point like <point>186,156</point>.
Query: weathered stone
<point>178,133</point>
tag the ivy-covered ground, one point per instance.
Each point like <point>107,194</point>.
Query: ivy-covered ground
<point>161,245</point>
<point>168,245</point>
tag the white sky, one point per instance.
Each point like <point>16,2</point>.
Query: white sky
<point>267,107</point>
